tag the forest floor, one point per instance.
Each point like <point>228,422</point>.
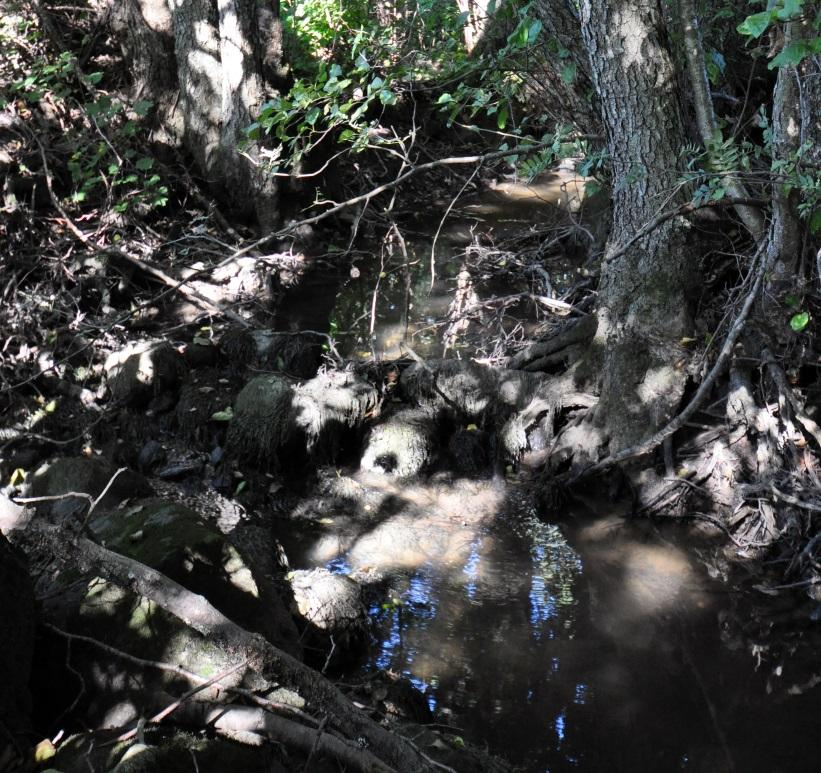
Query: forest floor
<point>205,307</point>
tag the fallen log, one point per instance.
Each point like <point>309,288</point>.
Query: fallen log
<point>196,612</point>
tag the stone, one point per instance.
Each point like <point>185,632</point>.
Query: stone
<point>403,445</point>
<point>142,370</point>
<point>89,475</point>
<point>330,602</point>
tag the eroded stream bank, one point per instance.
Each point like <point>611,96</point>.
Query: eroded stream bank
<point>408,466</point>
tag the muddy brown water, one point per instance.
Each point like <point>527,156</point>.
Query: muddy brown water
<point>390,300</point>
<point>565,640</point>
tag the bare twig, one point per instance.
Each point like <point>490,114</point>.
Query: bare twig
<point>158,717</point>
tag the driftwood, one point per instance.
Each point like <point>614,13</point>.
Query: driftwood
<point>241,645</point>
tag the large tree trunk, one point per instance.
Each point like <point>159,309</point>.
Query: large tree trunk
<point>208,65</point>
<point>796,122</point>
<point>643,310</point>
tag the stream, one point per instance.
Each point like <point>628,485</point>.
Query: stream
<point>574,639</point>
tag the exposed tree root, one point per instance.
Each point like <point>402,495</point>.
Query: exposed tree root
<point>197,613</point>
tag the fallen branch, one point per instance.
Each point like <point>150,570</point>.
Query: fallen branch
<point>197,613</point>
<point>161,715</point>
<point>189,676</point>
<point>239,721</point>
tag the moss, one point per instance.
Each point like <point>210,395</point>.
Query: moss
<point>237,344</point>
<point>457,386</point>
<point>263,420</point>
<point>154,532</point>
<point>172,539</point>
<point>269,413</point>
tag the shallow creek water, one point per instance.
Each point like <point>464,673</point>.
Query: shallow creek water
<point>566,640</point>
<point>390,299</point>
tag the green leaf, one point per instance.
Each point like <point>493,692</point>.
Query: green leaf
<point>501,118</point>
<point>312,116</point>
<point>815,221</point>
<point>94,78</point>
<point>591,188</point>
<point>569,72</point>
<point>142,106</point>
<point>444,99</point>
<point>754,26</point>
<point>144,164</point>
<point>799,321</point>
<point>533,31</point>
<point>225,415</point>
<point>792,54</point>
<point>790,9</point>
<point>387,97</point>
<point>791,301</point>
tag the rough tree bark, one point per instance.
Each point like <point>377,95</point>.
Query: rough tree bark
<point>643,310</point>
<point>208,65</point>
<point>796,122</point>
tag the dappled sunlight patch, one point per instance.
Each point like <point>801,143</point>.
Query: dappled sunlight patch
<point>562,188</point>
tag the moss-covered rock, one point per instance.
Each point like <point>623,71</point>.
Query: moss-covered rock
<point>330,403</point>
<point>263,420</point>
<point>237,345</point>
<point>271,415</point>
<point>461,387</point>
<point>403,445</point>
<point>85,475</point>
<point>510,403</point>
<point>297,354</point>
<point>173,540</point>
<point>142,370</point>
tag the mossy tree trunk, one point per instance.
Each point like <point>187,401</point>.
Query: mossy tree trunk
<point>643,310</point>
<point>208,65</point>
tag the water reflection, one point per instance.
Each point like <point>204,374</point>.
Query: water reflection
<point>571,653</point>
<point>590,643</point>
